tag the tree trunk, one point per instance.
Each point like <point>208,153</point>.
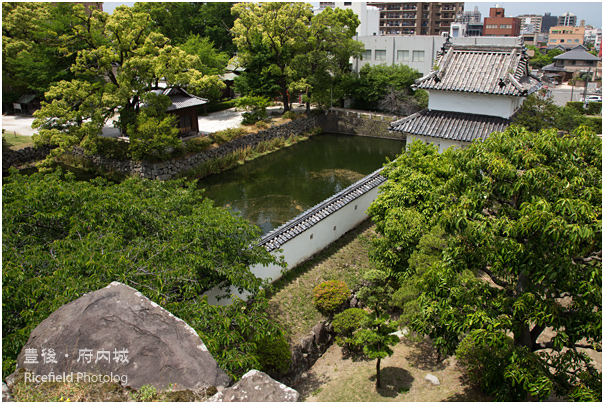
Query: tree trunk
<point>378,382</point>
<point>285,98</point>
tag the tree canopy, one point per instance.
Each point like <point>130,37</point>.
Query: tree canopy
<point>62,238</point>
<point>518,225</point>
<point>375,83</point>
<point>122,61</point>
<point>286,49</point>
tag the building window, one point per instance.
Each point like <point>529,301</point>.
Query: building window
<point>505,26</point>
<point>576,41</point>
<point>553,40</point>
<point>491,26</point>
<point>402,56</point>
<point>367,54</point>
<point>348,3</point>
<point>418,56</point>
<point>380,54</point>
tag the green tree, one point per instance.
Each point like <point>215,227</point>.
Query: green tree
<point>325,58</point>
<point>521,214</point>
<point>274,31</point>
<point>374,82</point>
<point>213,61</point>
<point>376,332</point>
<point>124,60</point>
<point>35,52</point>
<point>63,238</point>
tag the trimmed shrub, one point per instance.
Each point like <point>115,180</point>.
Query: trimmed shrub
<point>330,295</point>
<point>290,115</point>
<point>346,323</point>
<point>593,108</point>
<point>217,106</point>
<point>198,144</point>
<point>227,135</point>
<point>274,355</point>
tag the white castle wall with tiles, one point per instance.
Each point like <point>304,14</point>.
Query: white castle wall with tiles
<point>309,242</point>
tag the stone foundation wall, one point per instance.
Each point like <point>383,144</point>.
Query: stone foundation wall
<point>353,123</point>
<point>340,122</point>
<point>15,158</point>
<point>171,168</point>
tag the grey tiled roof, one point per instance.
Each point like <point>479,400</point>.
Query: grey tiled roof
<point>489,69</point>
<point>180,98</point>
<point>276,238</point>
<point>450,125</point>
<point>578,53</point>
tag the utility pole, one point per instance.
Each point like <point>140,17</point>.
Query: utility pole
<point>585,91</point>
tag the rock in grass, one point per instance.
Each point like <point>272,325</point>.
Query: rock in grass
<point>432,379</point>
<point>256,386</point>
<point>118,333</point>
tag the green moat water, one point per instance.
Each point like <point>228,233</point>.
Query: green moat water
<point>277,187</point>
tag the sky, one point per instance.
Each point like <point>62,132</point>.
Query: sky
<point>590,11</point>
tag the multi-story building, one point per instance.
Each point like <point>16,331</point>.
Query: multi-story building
<point>417,18</point>
<point>497,24</point>
<point>470,17</point>
<point>530,23</point>
<point>368,16</point>
<point>567,19</point>
<point>567,36</point>
<point>416,51</point>
<point>547,21</point>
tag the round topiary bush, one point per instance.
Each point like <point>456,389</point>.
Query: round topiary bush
<point>346,323</point>
<point>274,355</point>
<point>330,295</point>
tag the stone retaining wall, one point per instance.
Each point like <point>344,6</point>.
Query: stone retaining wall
<point>171,168</point>
<point>352,123</point>
<point>342,122</point>
<point>15,158</point>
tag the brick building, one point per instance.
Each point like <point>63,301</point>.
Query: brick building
<point>497,24</point>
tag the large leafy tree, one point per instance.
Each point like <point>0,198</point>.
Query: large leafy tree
<point>35,54</point>
<point>124,60</point>
<point>376,82</point>
<point>521,216</point>
<point>62,238</point>
<point>325,59</point>
<point>275,30</point>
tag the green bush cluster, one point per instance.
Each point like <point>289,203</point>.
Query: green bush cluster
<point>219,106</point>
<point>198,144</point>
<point>593,108</point>
<point>346,323</point>
<point>330,295</point>
<point>290,115</point>
<point>274,354</point>
<point>226,135</point>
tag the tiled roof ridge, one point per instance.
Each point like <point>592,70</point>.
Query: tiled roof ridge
<point>310,217</point>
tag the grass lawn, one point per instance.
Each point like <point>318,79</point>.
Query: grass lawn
<point>16,141</point>
<point>346,260</point>
<point>336,377</point>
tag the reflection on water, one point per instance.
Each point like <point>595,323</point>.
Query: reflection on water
<point>275,188</point>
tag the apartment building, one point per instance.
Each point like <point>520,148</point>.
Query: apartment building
<point>567,36</point>
<point>497,24</point>
<point>417,18</point>
<point>530,23</point>
<point>567,19</point>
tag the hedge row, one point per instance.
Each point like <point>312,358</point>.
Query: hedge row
<point>593,108</point>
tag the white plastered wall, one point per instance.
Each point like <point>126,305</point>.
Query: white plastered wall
<point>470,103</point>
<point>309,242</point>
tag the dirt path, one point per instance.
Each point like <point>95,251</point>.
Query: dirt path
<point>337,378</point>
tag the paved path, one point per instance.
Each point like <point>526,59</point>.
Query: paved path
<point>229,118</point>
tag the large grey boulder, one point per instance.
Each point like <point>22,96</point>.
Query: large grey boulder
<point>256,386</point>
<point>119,333</point>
